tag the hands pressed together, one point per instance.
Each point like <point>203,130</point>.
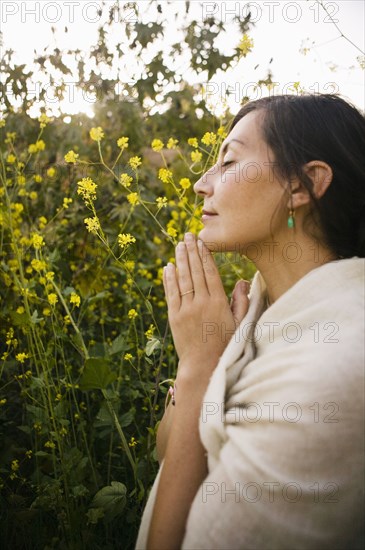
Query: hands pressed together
<point>201,318</point>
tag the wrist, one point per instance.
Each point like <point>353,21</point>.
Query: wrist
<point>191,385</point>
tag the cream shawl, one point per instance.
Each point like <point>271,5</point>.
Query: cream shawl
<point>282,421</point>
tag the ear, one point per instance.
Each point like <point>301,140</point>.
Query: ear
<point>321,175</point>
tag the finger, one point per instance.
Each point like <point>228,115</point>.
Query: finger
<point>240,301</point>
<point>211,273</point>
<point>183,271</point>
<point>171,286</point>
<point>195,264</point>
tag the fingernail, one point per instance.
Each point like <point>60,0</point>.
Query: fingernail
<point>189,237</point>
<point>245,286</point>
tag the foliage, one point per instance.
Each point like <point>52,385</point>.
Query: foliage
<point>89,214</point>
<point>86,354</point>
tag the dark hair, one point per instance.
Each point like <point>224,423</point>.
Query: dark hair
<point>299,129</point>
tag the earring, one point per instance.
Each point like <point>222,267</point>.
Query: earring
<point>291,219</point>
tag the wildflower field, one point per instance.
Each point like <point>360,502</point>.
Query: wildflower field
<point>90,212</point>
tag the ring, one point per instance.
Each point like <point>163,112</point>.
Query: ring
<point>187,292</point>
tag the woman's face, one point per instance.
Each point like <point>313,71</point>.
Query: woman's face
<point>241,192</point>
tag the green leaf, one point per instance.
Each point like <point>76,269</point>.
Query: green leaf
<point>118,345</point>
<point>127,418</point>
<point>111,499</point>
<point>97,374</point>
<point>152,345</point>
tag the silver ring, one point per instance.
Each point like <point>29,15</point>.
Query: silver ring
<point>187,292</point>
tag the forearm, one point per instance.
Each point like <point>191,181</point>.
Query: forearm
<point>184,469</point>
<point>163,432</point>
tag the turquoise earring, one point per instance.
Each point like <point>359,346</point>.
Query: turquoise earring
<point>291,219</point>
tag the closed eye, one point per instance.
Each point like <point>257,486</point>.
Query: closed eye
<point>227,163</point>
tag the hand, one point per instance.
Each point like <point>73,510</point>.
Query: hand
<point>202,322</point>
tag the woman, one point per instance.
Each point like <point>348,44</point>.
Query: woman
<point>264,446</point>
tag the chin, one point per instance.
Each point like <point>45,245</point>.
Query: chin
<point>212,242</point>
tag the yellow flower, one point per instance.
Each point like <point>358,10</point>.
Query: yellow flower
<point>133,199</point>
<point>37,241</point>
<point>123,142</point>
<point>172,231</point>
<point>46,312</point>
<point>128,356</point>
<point>11,159</point>
<point>92,224</point>
<point>52,299</point>
<point>132,442</point>
<point>157,145</point>
<point>164,175</point>
<point>125,180</point>
<point>15,465</point>
<point>66,202</point>
<point>149,332</point>
<point>32,148</point>
<point>172,143</point>
<point>161,202</point>
<point>10,136</point>
<point>157,240</point>
<point>96,134</point>
<point>2,401</point>
<point>2,123</point>
<point>87,189</point>
<point>21,357</point>
<point>196,156</point>
<point>42,222</point>
<point>129,265</point>
<point>37,146</point>
<point>71,157</point>
<point>43,120</point>
<point>33,195</point>
<point>38,265</point>
<point>75,299</point>
<point>124,239</point>
<point>209,138</point>
<point>245,45</point>
<point>38,178</point>
<point>51,172</point>
<point>21,179</point>
<point>132,314</point>
<point>185,183</point>
<point>20,310</point>
<point>50,445</point>
<point>134,162</point>
<point>193,142</point>
<point>221,132</point>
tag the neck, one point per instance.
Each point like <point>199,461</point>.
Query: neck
<point>282,266</point>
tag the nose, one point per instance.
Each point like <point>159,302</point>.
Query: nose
<point>204,186</point>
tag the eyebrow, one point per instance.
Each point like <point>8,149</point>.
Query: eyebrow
<point>229,143</point>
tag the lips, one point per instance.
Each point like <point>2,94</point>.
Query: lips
<point>208,213</point>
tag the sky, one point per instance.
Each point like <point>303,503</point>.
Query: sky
<point>283,30</point>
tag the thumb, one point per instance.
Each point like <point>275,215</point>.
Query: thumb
<point>240,301</point>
